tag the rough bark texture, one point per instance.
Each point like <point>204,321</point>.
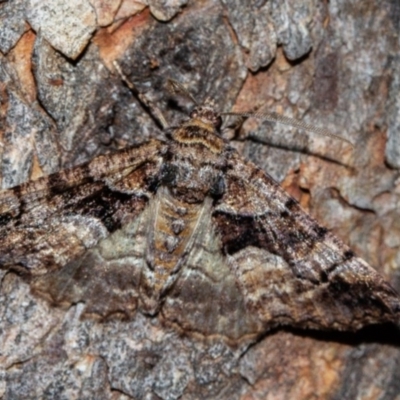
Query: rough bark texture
<point>333,64</point>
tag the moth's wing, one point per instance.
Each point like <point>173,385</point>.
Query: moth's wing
<point>77,233</point>
<point>289,269</point>
<point>105,277</point>
<point>206,299</point>
<point>49,224</point>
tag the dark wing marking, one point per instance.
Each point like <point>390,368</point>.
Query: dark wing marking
<point>48,222</point>
<point>290,269</point>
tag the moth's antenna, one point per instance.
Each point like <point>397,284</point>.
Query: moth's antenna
<point>274,117</point>
<point>154,110</point>
<point>176,88</point>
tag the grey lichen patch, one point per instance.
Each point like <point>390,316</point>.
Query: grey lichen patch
<point>299,43</point>
<point>12,24</point>
<point>291,24</point>
<point>129,8</point>
<point>261,26</point>
<point>264,43</point>
<point>393,133</point>
<point>105,10</point>
<point>68,26</point>
<point>20,138</point>
<point>255,31</point>
<point>20,342</point>
<point>164,10</point>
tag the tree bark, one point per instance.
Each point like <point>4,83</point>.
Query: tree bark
<point>332,64</point>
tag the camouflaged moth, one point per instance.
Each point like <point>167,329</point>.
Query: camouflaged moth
<point>187,230</point>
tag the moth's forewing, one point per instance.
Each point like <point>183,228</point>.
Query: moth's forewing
<point>45,224</point>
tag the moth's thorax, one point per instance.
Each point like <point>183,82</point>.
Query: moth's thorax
<point>197,158</point>
<point>201,128</point>
<point>194,172</point>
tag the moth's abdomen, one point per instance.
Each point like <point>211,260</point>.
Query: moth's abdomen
<point>175,223</point>
<point>170,239</point>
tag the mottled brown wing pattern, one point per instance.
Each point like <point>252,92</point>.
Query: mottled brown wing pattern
<point>188,231</point>
<point>106,277</point>
<point>48,222</point>
<point>290,269</point>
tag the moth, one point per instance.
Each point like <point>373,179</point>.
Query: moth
<point>186,230</point>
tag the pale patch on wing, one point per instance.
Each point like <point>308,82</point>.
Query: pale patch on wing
<point>106,278</point>
<point>37,250</point>
<point>206,298</point>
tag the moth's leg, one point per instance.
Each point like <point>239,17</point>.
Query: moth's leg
<point>230,129</point>
<point>153,109</point>
<point>175,87</point>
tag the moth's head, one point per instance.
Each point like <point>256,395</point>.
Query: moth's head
<point>207,113</point>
